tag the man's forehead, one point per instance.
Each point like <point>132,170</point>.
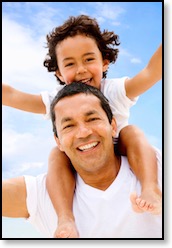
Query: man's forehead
<point>77,103</point>
<point>85,99</point>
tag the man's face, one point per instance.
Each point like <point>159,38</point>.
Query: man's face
<point>84,132</point>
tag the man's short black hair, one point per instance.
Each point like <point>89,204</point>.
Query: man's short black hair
<point>77,88</point>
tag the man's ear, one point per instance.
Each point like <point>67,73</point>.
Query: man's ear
<point>105,64</point>
<point>114,127</point>
<point>58,74</point>
<point>58,143</point>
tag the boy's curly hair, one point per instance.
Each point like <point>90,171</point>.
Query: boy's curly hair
<point>85,25</point>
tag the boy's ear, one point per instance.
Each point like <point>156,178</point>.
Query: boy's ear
<point>114,127</point>
<point>105,64</point>
<point>58,143</point>
<point>58,74</point>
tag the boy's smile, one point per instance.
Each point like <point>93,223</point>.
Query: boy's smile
<point>80,60</point>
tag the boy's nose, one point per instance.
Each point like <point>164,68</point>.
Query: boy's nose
<point>81,69</point>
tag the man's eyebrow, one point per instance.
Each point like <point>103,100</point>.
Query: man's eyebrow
<point>91,112</point>
<point>66,119</point>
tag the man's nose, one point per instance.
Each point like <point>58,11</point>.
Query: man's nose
<point>83,131</point>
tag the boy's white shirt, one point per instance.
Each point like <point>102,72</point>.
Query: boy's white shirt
<point>114,91</point>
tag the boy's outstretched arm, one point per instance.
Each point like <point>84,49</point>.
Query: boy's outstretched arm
<point>142,159</point>
<point>60,184</point>
<point>147,77</point>
<point>23,101</point>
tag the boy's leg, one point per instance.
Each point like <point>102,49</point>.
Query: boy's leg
<point>60,185</point>
<point>142,159</point>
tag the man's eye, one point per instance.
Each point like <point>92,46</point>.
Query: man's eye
<point>93,119</point>
<point>68,126</point>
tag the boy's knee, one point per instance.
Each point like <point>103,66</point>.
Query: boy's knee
<point>131,131</point>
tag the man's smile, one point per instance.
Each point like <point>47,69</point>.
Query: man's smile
<point>88,146</point>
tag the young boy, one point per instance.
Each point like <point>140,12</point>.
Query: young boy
<point>79,51</point>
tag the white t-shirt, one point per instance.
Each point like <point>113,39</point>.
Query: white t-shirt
<point>98,214</point>
<point>114,90</point>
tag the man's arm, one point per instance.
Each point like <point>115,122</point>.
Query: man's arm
<point>21,100</point>
<point>14,198</point>
<point>147,77</point>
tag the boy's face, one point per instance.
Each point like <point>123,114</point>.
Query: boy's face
<point>80,60</point>
<point>85,135</point>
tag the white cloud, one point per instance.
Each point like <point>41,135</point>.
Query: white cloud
<point>126,53</point>
<point>116,23</point>
<point>136,61</point>
<point>25,152</point>
<point>104,12</point>
<point>22,56</point>
<point>155,141</point>
<point>109,11</point>
<point>22,67</point>
<point>18,46</point>
<point>26,166</point>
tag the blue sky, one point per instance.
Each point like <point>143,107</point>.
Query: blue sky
<point>27,138</point>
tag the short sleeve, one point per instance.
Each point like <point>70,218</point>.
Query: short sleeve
<point>47,98</point>
<point>114,90</point>
<point>32,199</point>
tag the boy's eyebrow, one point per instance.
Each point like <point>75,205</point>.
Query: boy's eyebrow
<point>85,54</point>
<point>66,119</point>
<point>89,53</point>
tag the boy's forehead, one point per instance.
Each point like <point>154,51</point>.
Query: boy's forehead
<point>85,42</point>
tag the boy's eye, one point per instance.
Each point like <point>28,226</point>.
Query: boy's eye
<point>90,59</point>
<point>69,64</point>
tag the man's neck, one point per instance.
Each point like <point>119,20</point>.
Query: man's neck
<point>104,178</point>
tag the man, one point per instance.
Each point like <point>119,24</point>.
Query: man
<point>84,126</point>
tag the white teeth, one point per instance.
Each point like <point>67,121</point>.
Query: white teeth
<point>86,147</point>
<point>85,81</point>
